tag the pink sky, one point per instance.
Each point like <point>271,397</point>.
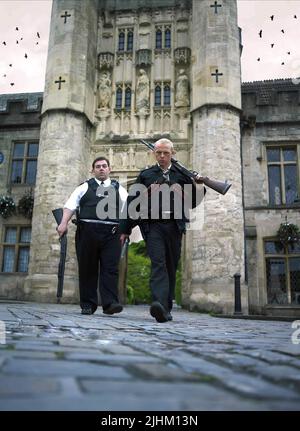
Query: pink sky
<point>32,16</point>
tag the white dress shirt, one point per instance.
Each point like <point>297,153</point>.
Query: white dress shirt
<point>74,199</point>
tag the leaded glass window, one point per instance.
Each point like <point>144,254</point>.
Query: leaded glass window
<point>283,175</point>
<point>24,162</point>
<point>15,255</point>
<point>282,272</point>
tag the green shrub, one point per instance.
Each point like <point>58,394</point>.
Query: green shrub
<point>130,294</point>
<point>139,248</point>
<point>138,276</point>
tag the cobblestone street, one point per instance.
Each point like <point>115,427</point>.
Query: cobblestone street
<point>53,358</point>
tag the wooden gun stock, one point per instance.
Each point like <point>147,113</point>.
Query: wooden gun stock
<point>218,186</point>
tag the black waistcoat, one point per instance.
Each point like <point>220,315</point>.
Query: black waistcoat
<point>89,201</point>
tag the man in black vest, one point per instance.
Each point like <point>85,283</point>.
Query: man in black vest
<point>98,202</point>
<point>162,226</point>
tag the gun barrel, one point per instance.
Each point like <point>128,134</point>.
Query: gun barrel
<point>148,144</point>
<point>124,248</point>
<point>58,215</point>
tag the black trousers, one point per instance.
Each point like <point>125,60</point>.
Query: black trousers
<point>96,244</point>
<point>163,241</point>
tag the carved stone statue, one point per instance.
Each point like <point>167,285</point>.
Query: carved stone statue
<point>182,90</point>
<point>124,159</point>
<point>104,91</point>
<point>131,158</point>
<point>142,93</point>
<point>111,156</point>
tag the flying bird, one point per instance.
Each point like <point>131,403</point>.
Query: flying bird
<point>282,31</point>
<point>282,63</point>
<point>272,17</point>
<point>36,43</point>
<point>10,65</point>
<point>12,83</point>
<point>4,76</point>
<point>17,28</point>
<point>260,33</point>
<point>38,34</point>
<point>17,41</point>
<point>25,55</point>
<point>4,43</point>
<point>272,44</point>
<point>295,16</point>
<point>258,59</point>
<point>289,52</point>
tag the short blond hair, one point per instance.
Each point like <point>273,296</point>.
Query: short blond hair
<point>164,141</point>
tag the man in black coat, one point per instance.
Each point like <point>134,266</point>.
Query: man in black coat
<point>166,194</point>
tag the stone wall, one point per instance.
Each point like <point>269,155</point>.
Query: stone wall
<point>19,121</point>
<point>271,112</point>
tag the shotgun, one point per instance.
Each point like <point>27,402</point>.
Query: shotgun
<point>218,186</point>
<point>58,214</point>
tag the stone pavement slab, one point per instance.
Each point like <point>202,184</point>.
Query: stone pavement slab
<point>53,358</point>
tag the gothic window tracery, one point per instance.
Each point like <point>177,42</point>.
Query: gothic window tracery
<point>121,45</point>
<point>119,98</point>
<point>157,95</point>
<point>123,97</point>
<point>163,37</point>
<point>162,94</point>
<point>167,95</point>
<point>128,98</point>
<point>158,39</point>
<point>129,41</point>
<point>125,40</point>
<point>167,38</point>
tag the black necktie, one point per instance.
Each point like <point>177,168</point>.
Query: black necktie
<point>166,175</point>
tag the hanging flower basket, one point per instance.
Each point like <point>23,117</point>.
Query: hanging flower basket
<point>7,206</point>
<point>25,205</point>
<point>288,234</point>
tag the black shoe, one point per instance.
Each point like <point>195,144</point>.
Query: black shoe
<point>169,316</point>
<point>86,309</point>
<point>158,312</point>
<point>113,308</point>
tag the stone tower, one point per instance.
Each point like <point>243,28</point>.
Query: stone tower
<point>65,139</point>
<point>215,250</point>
